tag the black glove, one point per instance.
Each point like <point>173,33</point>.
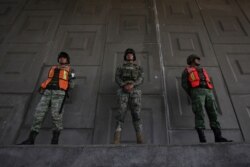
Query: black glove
<point>41,90</point>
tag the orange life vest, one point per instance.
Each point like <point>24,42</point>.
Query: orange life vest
<point>194,78</point>
<point>63,77</point>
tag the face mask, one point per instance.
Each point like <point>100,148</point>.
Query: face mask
<point>63,63</point>
<point>196,62</point>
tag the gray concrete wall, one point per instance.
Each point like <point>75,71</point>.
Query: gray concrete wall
<point>208,155</point>
<point>95,33</point>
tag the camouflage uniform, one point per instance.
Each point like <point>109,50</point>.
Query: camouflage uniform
<point>54,90</point>
<point>52,99</point>
<point>197,84</point>
<point>129,73</point>
<point>201,96</point>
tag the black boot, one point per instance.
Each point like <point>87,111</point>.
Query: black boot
<point>55,137</point>
<point>201,135</point>
<point>217,136</point>
<point>31,139</point>
<point>139,138</point>
<point>117,137</point>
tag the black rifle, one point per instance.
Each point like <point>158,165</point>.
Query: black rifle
<point>66,96</point>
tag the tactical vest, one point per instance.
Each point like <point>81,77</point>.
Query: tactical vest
<point>130,72</point>
<point>63,78</point>
<point>194,78</point>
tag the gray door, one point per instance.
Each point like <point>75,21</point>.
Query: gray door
<point>95,33</point>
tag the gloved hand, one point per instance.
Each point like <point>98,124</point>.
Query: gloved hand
<point>73,75</point>
<point>41,90</point>
<point>128,87</point>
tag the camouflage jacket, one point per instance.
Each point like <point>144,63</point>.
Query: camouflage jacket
<point>129,73</point>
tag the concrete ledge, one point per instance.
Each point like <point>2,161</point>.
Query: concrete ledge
<point>203,155</point>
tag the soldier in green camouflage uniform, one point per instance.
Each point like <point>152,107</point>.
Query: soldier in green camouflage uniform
<point>197,84</point>
<point>53,91</point>
<point>129,77</point>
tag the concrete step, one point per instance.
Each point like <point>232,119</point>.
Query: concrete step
<point>201,155</point>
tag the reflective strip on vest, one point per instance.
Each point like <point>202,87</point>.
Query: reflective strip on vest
<point>65,75</point>
<point>194,77</point>
<point>63,78</point>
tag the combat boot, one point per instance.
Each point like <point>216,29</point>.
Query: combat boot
<point>55,137</point>
<point>31,138</point>
<point>117,137</point>
<point>139,138</point>
<point>201,135</point>
<point>217,136</point>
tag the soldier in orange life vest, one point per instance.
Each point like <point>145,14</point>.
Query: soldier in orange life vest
<point>197,84</point>
<point>54,91</point>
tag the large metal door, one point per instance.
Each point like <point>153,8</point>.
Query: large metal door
<point>95,33</point>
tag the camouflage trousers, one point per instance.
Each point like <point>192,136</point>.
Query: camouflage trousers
<point>130,101</point>
<point>51,100</point>
<point>203,99</point>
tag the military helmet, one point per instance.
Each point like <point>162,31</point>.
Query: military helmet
<point>191,58</point>
<point>65,55</point>
<point>127,51</point>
